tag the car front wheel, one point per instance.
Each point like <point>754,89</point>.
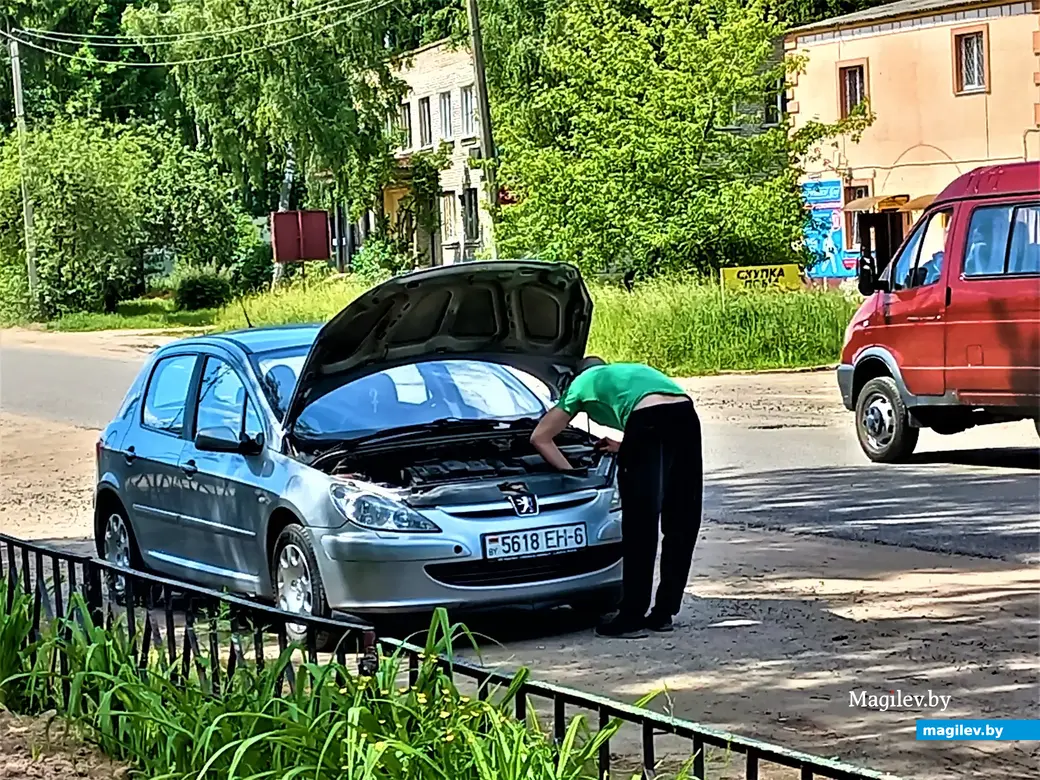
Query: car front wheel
<point>883,423</point>
<point>297,584</point>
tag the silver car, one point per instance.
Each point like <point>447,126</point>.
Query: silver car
<point>378,464</point>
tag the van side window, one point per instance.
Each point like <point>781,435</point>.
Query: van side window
<point>1003,240</point>
<point>920,262</point>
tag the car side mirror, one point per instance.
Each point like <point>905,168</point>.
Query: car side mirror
<point>220,440</point>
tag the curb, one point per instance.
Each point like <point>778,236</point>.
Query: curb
<point>756,372</point>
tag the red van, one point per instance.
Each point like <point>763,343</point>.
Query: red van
<point>949,336</point>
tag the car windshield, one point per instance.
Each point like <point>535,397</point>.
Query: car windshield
<point>409,395</point>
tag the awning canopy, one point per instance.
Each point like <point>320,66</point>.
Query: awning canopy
<point>919,203</point>
<point>876,201</point>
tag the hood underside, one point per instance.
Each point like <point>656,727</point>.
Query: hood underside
<point>530,315</point>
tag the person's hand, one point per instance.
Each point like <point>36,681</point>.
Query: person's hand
<point>608,445</point>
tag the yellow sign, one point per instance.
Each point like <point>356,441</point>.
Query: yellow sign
<point>762,277</point>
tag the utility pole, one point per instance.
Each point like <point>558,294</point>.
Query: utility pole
<point>487,140</point>
<point>27,210</point>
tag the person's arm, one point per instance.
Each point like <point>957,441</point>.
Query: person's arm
<point>552,424</point>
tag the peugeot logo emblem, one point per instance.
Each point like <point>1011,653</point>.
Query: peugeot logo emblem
<point>524,504</point>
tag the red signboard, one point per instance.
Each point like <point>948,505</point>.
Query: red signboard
<point>300,235</point>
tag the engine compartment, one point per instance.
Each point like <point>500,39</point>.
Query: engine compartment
<point>422,465</point>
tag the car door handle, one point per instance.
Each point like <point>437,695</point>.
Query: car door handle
<point>923,319</point>
<point>190,468</point>
<point>130,455</point>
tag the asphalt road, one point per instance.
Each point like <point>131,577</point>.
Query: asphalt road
<point>977,493</point>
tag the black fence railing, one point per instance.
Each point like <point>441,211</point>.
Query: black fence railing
<point>183,621</point>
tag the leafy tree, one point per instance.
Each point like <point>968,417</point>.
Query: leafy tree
<point>87,188</point>
<point>315,86</point>
<point>623,127</point>
<point>106,197</point>
<point>79,84</point>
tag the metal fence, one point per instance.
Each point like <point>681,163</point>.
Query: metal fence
<point>181,620</point>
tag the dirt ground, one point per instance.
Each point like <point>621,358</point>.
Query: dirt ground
<point>778,630</point>
<point>39,749</point>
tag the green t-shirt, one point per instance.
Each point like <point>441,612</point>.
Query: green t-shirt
<point>608,394</point>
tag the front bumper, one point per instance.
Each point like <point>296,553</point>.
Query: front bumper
<point>845,377</point>
<point>367,572</point>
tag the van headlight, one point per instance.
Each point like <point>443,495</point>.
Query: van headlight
<point>379,513</point>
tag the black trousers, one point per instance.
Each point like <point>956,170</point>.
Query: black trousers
<point>661,481</point>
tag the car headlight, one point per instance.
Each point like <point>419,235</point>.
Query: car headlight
<point>380,513</point>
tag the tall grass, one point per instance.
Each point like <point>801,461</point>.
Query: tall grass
<point>336,725</point>
<point>682,327</point>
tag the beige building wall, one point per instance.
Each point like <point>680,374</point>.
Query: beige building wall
<point>925,133</point>
<point>432,72</point>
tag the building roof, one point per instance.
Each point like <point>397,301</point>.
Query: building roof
<point>889,11</point>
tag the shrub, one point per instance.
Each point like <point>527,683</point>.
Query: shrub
<point>378,259</point>
<point>201,287</point>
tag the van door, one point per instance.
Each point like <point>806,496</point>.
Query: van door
<point>993,333</point>
<point>914,307</point>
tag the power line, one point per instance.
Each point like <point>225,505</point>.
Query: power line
<point>198,60</point>
<point>169,39</point>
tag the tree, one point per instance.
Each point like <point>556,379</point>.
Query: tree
<point>623,127</point>
<point>87,186</point>
<point>311,80</point>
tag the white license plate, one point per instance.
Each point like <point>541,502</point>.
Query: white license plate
<point>537,541</point>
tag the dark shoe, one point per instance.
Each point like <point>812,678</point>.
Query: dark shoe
<point>659,624</point>
<point>622,627</point>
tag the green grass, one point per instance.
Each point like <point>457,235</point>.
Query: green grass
<point>139,314</point>
<point>684,328</point>
<point>336,725</point>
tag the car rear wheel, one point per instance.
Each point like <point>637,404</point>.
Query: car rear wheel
<point>883,423</point>
<point>117,545</point>
<point>297,584</point>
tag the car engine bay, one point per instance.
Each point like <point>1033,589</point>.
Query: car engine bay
<point>423,465</point>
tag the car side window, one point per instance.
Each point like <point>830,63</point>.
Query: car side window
<point>222,399</point>
<point>903,265</point>
<point>1024,247</point>
<point>166,399</point>
<point>1003,240</point>
<point>987,241</point>
<point>928,269</point>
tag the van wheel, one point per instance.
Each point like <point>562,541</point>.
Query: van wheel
<point>297,585</point>
<point>883,424</point>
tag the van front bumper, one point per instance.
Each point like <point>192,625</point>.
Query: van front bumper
<point>845,376</point>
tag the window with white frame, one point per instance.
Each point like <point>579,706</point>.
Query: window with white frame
<point>425,123</point>
<point>445,108</point>
<point>469,117</point>
<point>971,61</point>
<point>853,88</point>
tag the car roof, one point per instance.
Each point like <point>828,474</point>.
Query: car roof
<point>989,181</point>
<point>266,339</point>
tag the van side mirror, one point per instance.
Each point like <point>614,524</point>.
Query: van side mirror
<point>865,276</point>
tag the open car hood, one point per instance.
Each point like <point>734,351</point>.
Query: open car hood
<point>530,315</point>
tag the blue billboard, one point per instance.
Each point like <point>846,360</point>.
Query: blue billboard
<point>824,233</point>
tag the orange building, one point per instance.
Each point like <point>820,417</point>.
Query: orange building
<point>953,84</point>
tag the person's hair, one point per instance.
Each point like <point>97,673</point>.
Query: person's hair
<point>591,362</point>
